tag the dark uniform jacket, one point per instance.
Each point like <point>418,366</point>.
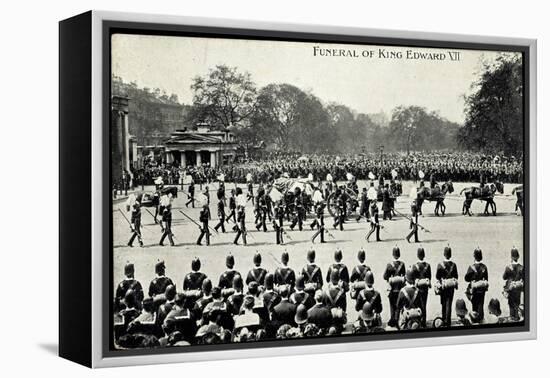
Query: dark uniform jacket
<point>256,274</point>
<point>129,284</point>
<point>301,297</point>
<point>358,272</point>
<point>513,272</point>
<point>159,285</point>
<point>445,270</point>
<point>284,276</point>
<point>226,279</point>
<point>271,299</point>
<point>193,281</point>
<point>409,298</point>
<point>422,270</point>
<point>395,268</point>
<point>342,272</point>
<point>335,296</point>
<point>283,313</point>
<point>320,315</point>
<point>221,209</point>
<point>476,272</point>
<point>312,274</point>
<point>369,295</point>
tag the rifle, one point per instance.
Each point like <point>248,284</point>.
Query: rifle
<point>130,223</point>
<point>411,220</point>
<point>160,223</point>
<point>198,225</point>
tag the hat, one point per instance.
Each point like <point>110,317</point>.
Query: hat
<point>253,287</point>
<point>494,307</point>
<point>361,255</point>
<point>216,292</point>
<point>369,278</point>
<point>301,314</point>
<point>514,253</point>
<point>420,253</point>
<point>207,285</point>
<point>230,261</point>
<point>396,252</point>
<point>237,281</point>
<point>409,276</point>
<point>269,280</point>
<point>447,252</point>
<point>478,255</point>
<point>311,255</point>
<point>460,307</point>
<point>338,255</point>
<point>160,267</point>
<point>367,313</point>
<point>257,259</point>
<point>196,264</point>
<point>284,257</point>
<point>130,298</point>
<point>179,299</point>
<point>170,292</point>
<point>128,269</point>
<point>300,282</point>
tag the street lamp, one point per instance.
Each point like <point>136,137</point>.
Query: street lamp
<point>381,153</point>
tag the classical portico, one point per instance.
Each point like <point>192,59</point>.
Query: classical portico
<point>201,146</point>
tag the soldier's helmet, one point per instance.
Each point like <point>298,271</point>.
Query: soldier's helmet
<point>447,252</point>
<point>216,292</point>
<point>130,298</point>
<point>367,312</point>
<point>179,299</point>
<point>369,278</point>
<point>361,255</point>
<point>515,254</point>
<point>257,259</point>
<point>478,255</point>
<point>237,282</point>
<point>269,281</point>
<point>396,252</point>
<point>253,288</point>
<point>284,257</point>
<point>170,292</point>
<point>301,314</point>
<point>160,267</point>
<point>207,285</point>
<point>311,255</point>
<point>420,253</point>
<point>460,308</point>
<point>129,269</point>
<point>196,264</point>
<point>494,307</point>
<point>338,255</point>
<point>300,282</point>
<point>230,261</point>
<point>409,276</point>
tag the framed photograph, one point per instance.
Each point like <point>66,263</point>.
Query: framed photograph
<point>250,189</point>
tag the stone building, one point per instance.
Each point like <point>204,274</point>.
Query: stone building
<point>123,145</point>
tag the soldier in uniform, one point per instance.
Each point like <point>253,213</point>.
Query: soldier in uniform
<point>409,303</point>
<point>414,222</point>
<point>395,276</point>
<point>204,215</point>
<point>298,215</point>
<point>278,219</point>
<point>423,276</point>
<point>226,279</point>
<point>319,222</point>
<point>374,222</point>
<point>477,278</point>
<point>340,214</point>
<point>194,279</point>
<point>364,209</point>
<point>136,222</point>
<point>270,297</point>
<point>180,319</point>
<point>369,295</point>
<point>513,288</point>
<point>191,195</point>
<point>312,274</point>
<point>284,275</point>
<point>128,283</point>
<point>358,272</point>
<point>340,268</point>
<point>167,226</point>
<point>386,203</point>
<point>257,273</point>
<point>262,213</point>
<point>299,296</point>
<point>335,295</point>
<point>221,213</point>
<point>160,282</point>
<point>232,207</point>
<point>446,276</point>
<point>235,300</point>
<point>206,297</point>
<point>241,225</point>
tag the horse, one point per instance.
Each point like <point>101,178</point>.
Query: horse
<point>436,194</point>
<point>518,191</point>
<point>482,193</point>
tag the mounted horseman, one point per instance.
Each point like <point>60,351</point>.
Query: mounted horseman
<point>435,193</point>
<point>484,192</point>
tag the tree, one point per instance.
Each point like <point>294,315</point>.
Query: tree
<point>494,111</point>
<point>405,126</point>
<point>224,97</point>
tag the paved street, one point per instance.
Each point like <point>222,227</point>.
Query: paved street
<point>494,235</point>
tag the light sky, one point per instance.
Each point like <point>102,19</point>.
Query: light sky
<point>366,84</point>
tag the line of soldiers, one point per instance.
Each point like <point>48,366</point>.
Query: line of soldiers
<point>288,304</point>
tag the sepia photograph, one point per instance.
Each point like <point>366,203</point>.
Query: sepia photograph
<point>271,190</point>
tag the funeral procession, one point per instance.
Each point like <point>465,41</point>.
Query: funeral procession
<point>270,196</point>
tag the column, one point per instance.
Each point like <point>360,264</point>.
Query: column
<point>183,160</point>
<point>213,155</point>
<point>199,161</point>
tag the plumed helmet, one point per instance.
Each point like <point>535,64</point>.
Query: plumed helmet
<point>514,253</point>
<point>196,264</point>
<point>396,252</point>
<point>478,255</point>
<point>129,269</point>
<point>361,255</point>
<point>338,255</point>
<point>257,259</point>
<point>284,257</point>
<point>311,255</point>
<point>420,253</point>
<point>447,252</point>
<point>160,267</point>
<point>230,261</point>
<point>369,278</point>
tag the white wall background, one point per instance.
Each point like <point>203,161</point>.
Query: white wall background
<point>28,158</point>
